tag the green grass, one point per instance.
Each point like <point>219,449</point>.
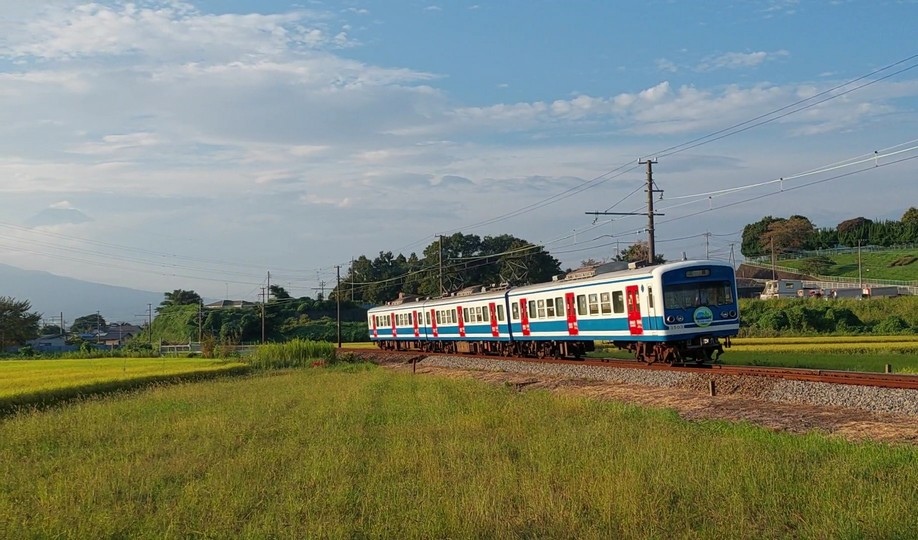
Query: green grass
<point>874,362</point>
<point>26,382</point>
<point>372,453</point>
<point>876,265</point>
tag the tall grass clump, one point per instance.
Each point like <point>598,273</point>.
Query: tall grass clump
<point>295,353</point>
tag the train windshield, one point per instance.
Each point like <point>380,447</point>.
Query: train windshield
<point>689,295</point>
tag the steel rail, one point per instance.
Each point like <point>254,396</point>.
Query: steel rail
<point>853,378</point>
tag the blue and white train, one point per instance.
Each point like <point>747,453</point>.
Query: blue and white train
<point>670,313</point>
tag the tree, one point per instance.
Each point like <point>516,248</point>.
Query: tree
<point>752,237</point>
<point>51,330</point>
<point>179,297</point>
<point>787,234</point>
<point>17,324</point>
<point>279,293</point>
<point>87,324</point>
<point>910,217</point>
<point>638,252</point>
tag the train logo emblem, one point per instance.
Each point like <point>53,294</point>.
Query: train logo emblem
<point>703,316</point>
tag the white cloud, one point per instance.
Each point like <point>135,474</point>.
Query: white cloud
<point>735,60</point>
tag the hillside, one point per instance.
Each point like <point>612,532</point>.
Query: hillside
<point>901,265</point>
<point>50,295</point>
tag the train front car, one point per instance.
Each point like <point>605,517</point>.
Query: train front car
<point>700,311</point>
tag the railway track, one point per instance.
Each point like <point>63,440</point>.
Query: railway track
<point>853,378</point>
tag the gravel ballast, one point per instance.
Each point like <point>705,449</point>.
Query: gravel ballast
<point>865,398</point>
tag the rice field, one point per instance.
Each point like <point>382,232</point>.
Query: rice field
<point>35,381</point>
<point>364,452</point>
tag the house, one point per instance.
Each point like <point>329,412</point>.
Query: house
<point>50,343</point>
<point>117,334</point>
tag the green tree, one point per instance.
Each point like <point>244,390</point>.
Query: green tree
<point>17,323</point>
<point>752,237</point>
<point>51,330</point>
<point>787,234</point>
<point>638,252</point>
<point>279,293</point>
<point>179,297</point>
<point>88,323</point>
<point>910,217</point>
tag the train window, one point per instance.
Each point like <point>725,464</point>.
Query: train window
<point>618,301</point>
<point>500,312</point>
<point>559,306</point>
<point>427,319</point>
<point>465,315</point>
<point>541,307</point>
<point>439,319</point>
<point>532,310</point>
<point>594,304</point>
<point>581,304</point>
<point>515,309</point>
<point>650,296</point>
<point>478,314</point>
<point>485,314</point>
<point>452,316</point>
<point>549,308</point>
<point>605,303</point>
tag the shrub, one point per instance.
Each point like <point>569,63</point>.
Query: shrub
<point>892,325</point>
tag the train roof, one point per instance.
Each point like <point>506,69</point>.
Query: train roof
<point>584,275</point>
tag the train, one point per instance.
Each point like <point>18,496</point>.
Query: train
<point>672,313</point>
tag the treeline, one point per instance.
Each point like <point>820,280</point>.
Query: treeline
<point>810,316</point>
<point>448,264</point>
<point>284,318</point>
<point>779,235</point>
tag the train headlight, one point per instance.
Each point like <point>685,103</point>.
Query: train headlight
<point>732,313</point>
<point>724,314</point>
<point>670,319</point>
<point>680,318</point>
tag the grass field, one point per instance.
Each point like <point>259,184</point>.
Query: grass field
<point>877,265</point>
<point>36,381</point>
<point>363,452</point>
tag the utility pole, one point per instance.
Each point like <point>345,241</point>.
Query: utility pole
<point>707,245</point>
<point>150,323</point>
<point>651,242</point>
<point>338,303</point>
<point>774,272</point>
<point>732,257</point>
<point>353,276</point>
<point>321,289</point>
<point>263,302</point>
<point>200,316</point>
<point>440,257</point>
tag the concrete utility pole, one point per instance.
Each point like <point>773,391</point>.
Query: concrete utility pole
<point>338,303</point>
<point>263,302</point>
<point>707,245</point>
<point>440,257</point>
<point>651,246</point>
<point>651,242</point>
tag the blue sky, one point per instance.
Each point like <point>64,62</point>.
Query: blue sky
<point>200,144</point>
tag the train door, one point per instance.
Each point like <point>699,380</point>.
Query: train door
<point>492,309</point>
<point>635,325</point>
<point>375,330</point>
<point>524,317</point>
<point>433,323</point>
<point>394,329</point>
<point>651,310</point>
<point>417,329</point>
<point>571,309</point>
<point>461,321</point>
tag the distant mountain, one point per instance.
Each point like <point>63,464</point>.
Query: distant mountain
<point>50,295</point>
<point>57,216</point>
